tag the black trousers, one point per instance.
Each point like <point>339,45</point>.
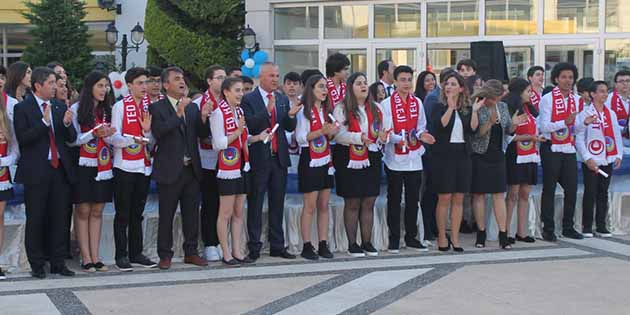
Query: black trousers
<point>272,179</point>
<point>209,208</point>
<point>130,196</point>
<point>396,180</point>
<point>428,201</point>
<point>558,168</point>
<point>47,218</point>
<point>595,196</point>
<point>184,191</point>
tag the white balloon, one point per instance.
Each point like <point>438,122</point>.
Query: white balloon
<point>250,63</point>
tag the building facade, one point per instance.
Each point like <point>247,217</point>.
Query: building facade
<point>14,30</point>
<point>433,34</point>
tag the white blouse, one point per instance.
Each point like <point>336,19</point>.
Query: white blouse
<point>457,134</point>
<point>347,137</point>
<point>304,127</point>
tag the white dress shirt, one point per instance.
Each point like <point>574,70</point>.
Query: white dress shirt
<point>303,127</point>
<point>545,124</point>
<point>389,88</point>
<point>217,128</point>
<point>626,106</point>
<point>347,137</point>
<point>457,134</point>
<point>208,157</point>
<point>40,102</point>
<point>119,142</point>
<point>584,136</point>
<point>413,160</point>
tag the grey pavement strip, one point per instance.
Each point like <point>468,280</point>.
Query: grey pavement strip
<point>307,293</point>
<point>27,304</point>
<point>400,291</point>
<point>618,240</point>
<point>602,244</point>
<point>67,303</point>
<point>333,266</point>
<point>354,292</point>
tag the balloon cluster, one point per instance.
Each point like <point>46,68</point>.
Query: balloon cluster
<point>251,66</point>
<point>118,83</point>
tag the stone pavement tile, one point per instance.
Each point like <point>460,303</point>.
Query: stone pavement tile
<point>231,297</point>
<point>581,286</point>
<point>27,304</point>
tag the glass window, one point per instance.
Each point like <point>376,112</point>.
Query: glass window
<point>397,20</point>
<point>519,60</point>
<point>617,13</point>
<point>510,17</point>
<point>358,58</point>
<point>579,55</point>
<point>296,23</point>
<point>296,58</point>
<point>400,56</point>
<point>571,16</point>
<point>617,57</point>
<point>440,56</point>
<point>348,21</point>
<point>452,18</point>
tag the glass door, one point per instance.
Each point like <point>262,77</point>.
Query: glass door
<point>580,54</point>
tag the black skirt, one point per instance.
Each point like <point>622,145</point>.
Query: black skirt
<point>452,170</point>
<point>356,183</point>
<point>312,178</point>
<point>89,190</point>
<point>236,186</point>
<point>519,174</point>
<point>488,176</point>
<point>6,195</point>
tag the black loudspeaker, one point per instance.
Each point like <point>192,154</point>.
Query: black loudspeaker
<point>490,59</point>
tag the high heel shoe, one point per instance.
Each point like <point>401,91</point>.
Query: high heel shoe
<point>448,245</point>
<point>455,249</point>
<point>503,240</point>
<point>481,239</point>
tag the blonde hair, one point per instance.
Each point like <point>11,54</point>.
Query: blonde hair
<point>4,120</point>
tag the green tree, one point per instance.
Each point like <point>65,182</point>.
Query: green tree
<point>194,34</point>
<point>59,34</point>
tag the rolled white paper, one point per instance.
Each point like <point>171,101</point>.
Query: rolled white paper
<point>143,139</point>
<point>333,119</point>
<point>271,134</point>
<point>602,173</point>
<point>404,147</point>
<point>85,135</point>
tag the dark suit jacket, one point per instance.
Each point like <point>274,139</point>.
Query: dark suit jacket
<point>443,134</point>
<point>34,142</point>
<point>258,119</point>
<point>172,136</point>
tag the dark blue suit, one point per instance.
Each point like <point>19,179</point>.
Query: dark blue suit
<point>269,170</point>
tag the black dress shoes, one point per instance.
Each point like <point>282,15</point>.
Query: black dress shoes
<point>62,270</point>
<point>38,272</point>
<point>253,255</point>
<point>549,236</point>
<point>283,253</point>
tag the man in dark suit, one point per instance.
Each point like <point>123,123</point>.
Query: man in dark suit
<point>46,169</point>
<point>263,108</point>
<point>177,126</point>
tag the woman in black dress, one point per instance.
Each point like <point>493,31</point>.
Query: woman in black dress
<point>454,121</point>
<point>8,156</point>
<point>357,161</point>
<point>522,157</point>
<point>488,159</point>
<point>94,187</point>
<point>313,133</point>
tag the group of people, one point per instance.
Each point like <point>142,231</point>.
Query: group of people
<point>209,152</point>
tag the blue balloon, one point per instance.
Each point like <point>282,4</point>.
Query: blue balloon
<point>256,71</point>
<point>260,57</point>
<point>244,55</point>
<point>246,71</point>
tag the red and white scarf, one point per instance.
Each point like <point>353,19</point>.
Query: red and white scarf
<point>562,140</point>
<point>600,138</point>
<point>132,114</point>
<point>319,149</point>
<point>534,98</point>
<point>336,97</point>
<point>230,158</point>
<point>5,175</point>
<point>405,117</point>
<point>359,157</point>
<point>526,151</point>
<point>616,104</point>
<point>97,153</point>
<point>206,144</point>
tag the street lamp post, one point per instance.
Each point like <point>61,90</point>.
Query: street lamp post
<point>137,38</point>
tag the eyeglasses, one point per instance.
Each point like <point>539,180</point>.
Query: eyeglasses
<point>221,77</point>
<point>627,81</point>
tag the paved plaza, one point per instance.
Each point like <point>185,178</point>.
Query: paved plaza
<point>569,277</point>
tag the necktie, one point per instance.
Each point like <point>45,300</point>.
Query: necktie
<point>274,140</point>
<point>389,90</point>
<point>54,158</point>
